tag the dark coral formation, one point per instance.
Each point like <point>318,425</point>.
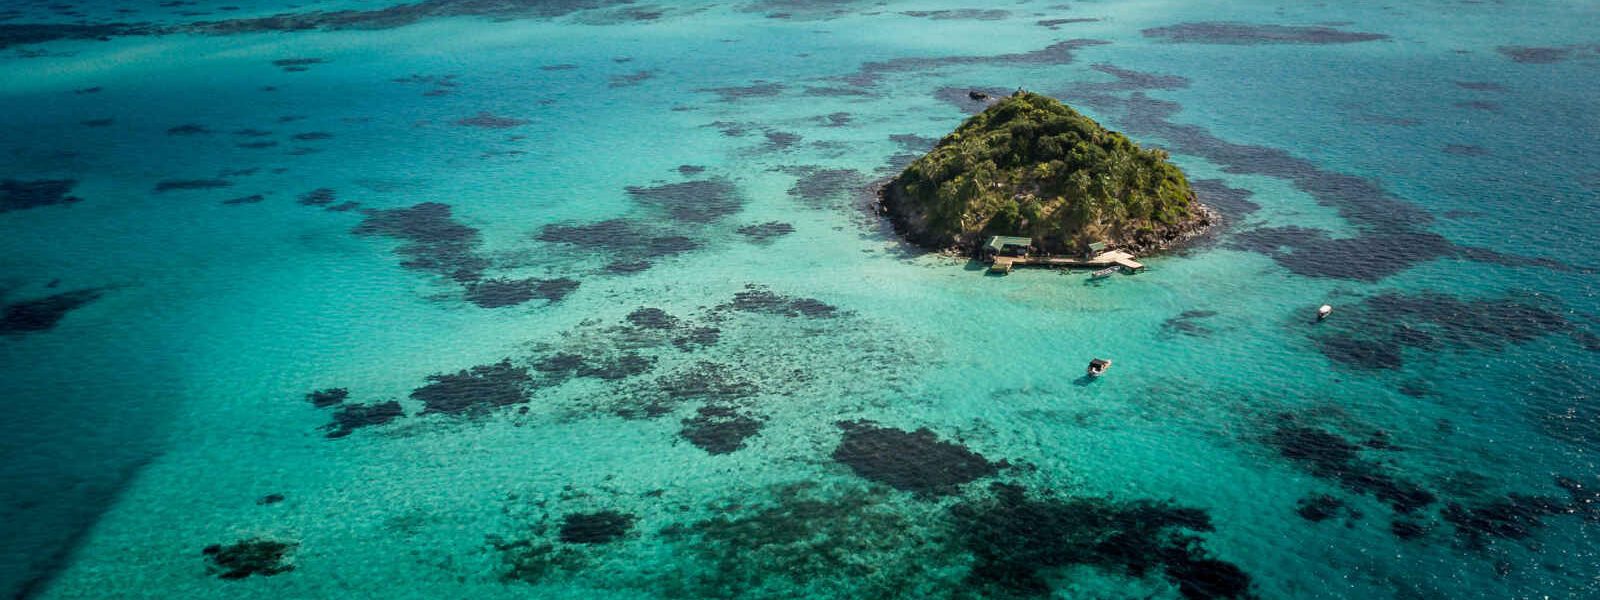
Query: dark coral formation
<point>1320,507</point>
<point>819,187</point>
<point>1212,32</point>
<point>619,237</point>
<point>631,79</point>
<point>1517,516</point>
<point>1541,55</point>
<point>436,242</point>
<point>175,185</point>
<point>759,89</point>
<point>1382,326</point>
<point>318,197</point>
<point>960,14</point>
<point>476,390</point>
<point>1391,235</point>
<point>1185,323</point>
<point>1018,539</point>
<point>763,548</point>
<point>295,65</point>
<point>327,397</point>
<point>351,417</point>
<point>189,129</point>
<point>837,119</point>
<point>720,429</point>
<point>699,201</point>
<point>778,141</point>
<point>1055,24</point>
<point>1327,455</point>
<point>1480,86</point>
<point>601,527</point>
<point>251,199</point>
<point>757,299</point>
<point>1513,517</point>
<point>1407,529</point>
<point>256,556</point>
<point>501,292</point>
<point>622,366</point>
<point>531,561</point>
<point>762,233</point>
<point>652,318</point>
<point>709,381</point>
<point>1232,202</point>
<point>1059,53</point>
<point>42,314</point>
<point>913,461</point>
<point>16,194</point>
<point>486,120</point>
<point>392,16</point>
<point>18,34</point>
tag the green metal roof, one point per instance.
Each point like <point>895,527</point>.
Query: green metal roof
<point>999,242</point>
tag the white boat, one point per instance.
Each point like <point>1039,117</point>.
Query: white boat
<point>1104,273</point>
<point>1098,366</point>
<point>1324,311</point>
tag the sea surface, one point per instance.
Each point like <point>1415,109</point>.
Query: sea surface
<point>589,299</point>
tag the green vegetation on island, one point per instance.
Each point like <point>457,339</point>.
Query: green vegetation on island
<point>1032,166</point>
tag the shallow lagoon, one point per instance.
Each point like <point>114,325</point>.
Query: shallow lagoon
<point>706,448</point>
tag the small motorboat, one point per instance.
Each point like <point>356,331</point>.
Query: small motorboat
<point>977,95</point>
<point>1104,273</point>
<point>1098,366</point>
<point>1324,311</point>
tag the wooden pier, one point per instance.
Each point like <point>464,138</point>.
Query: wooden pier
<point>1114,258</point>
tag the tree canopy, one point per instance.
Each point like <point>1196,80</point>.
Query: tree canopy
<point>1030,165</point>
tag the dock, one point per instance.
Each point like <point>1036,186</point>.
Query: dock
<point>1113,258</point>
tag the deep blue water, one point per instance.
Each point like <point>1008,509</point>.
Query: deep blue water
<point>584,298</point>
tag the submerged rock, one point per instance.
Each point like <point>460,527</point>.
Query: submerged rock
<point>475,390</point>
<point>756,299</point>
<point>16,194</point>
<point>695,202</point>
<point>719,429</point>
<point>761,233</point>
<point>351,417</point>
<point>1330,456</point>
<point>1018,539</point>
<point>436,242</point>
<point>1318,507</point>
<point>257,556</point>
<point>849,541</point>
<point>42,314</point>
<point>328,397</point>
<point>500,293</point>
<point>913,461</point>
<point>595,528</point>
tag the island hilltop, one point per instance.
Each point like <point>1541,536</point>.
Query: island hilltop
<point>1030,166</point>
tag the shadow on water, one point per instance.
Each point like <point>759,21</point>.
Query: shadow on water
<point>79,431</point>
<point>1084,381</point>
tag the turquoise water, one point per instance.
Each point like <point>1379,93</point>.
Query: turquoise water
<point>1427,169</point>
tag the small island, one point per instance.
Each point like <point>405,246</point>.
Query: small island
<point>1031,167</point>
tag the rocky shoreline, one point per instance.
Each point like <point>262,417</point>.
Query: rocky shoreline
<point>1202,220</point>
